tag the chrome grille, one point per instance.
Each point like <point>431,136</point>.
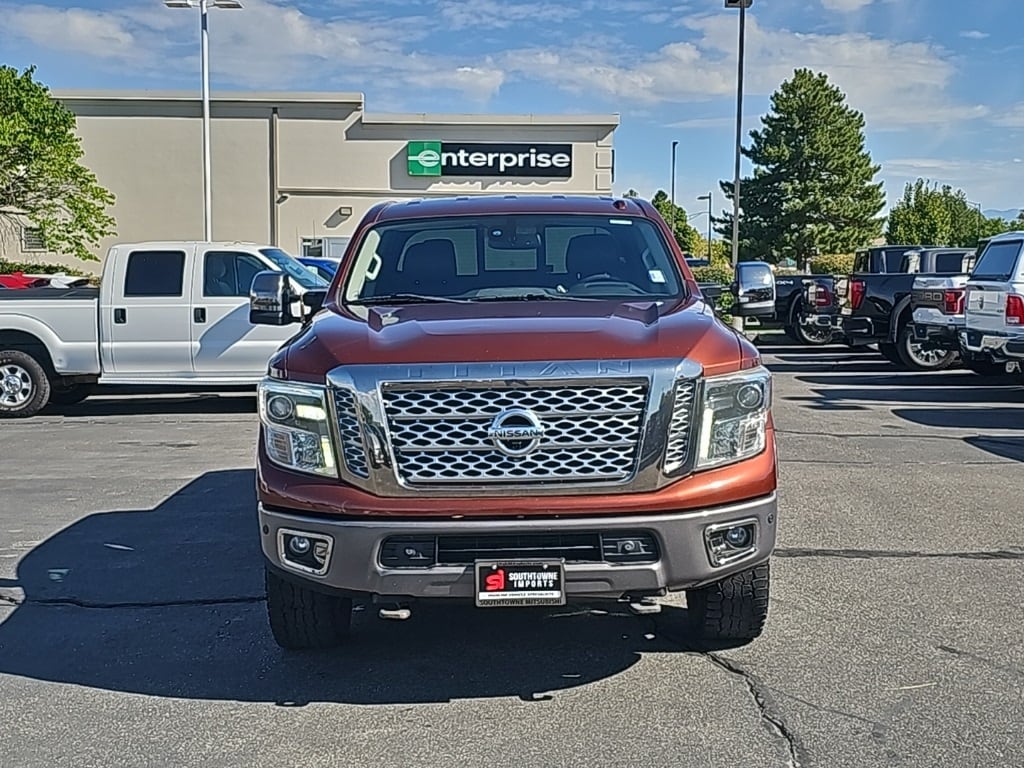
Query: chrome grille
<point>352,450</point>
<point>677,448</point>
<point>439,436</point>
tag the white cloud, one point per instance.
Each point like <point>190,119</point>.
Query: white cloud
<point>994,181</point>
<point>895,84</point>
<point>269,44</point>
<point>373,47</point>
<point>1011,118</point>
<point>499,14</point>
<point>974,34</point>
<point>705,122</point>
<point>845,6</point>
<point>76,30</point>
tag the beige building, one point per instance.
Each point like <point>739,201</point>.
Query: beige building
<point>289,169</point>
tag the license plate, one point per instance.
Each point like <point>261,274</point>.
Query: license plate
<point>519,583</point>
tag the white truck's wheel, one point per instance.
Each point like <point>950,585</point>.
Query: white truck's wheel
<point>24,385</point>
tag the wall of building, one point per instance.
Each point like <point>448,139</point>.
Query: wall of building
<point>288,167</point>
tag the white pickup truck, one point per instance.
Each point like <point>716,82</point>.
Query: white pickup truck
<point>166,313</point>
<point>994,305</point>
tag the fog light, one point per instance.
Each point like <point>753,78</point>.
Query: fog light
<point>302,551</point>
<point>737,537</point>
<point>731,542</point>
<point>299,545</point>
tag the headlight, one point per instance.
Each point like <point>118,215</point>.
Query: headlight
<point>733,417</point>
<point>296,428</point>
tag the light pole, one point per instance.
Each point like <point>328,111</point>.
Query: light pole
<point>672,194</point>
<point>742,5</point>
<point>204,7</point>
<point>708,198</point>
<point>978,221</point>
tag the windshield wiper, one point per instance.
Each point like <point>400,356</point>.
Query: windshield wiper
<point>407,298</point>
<point>535,297</point>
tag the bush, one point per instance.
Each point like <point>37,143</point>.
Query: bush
<point>833,264</point>
<point>716,273</point>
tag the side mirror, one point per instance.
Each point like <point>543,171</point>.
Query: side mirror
<point>270,299</point>
<point>754,290</point>
<point>314,300</point>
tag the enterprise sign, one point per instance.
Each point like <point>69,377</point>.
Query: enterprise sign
<point>436,158</point>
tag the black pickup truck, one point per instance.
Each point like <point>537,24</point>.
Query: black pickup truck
<point>875,301</point>
<point>790,310</point>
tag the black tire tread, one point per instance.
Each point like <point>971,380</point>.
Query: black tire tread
<point>731,610</point>
<point>304,619</point>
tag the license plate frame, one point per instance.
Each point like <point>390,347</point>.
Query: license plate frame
<point>545,590</point>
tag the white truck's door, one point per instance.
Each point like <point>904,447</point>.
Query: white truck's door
<point>144,312</point>
<point>225,345</point>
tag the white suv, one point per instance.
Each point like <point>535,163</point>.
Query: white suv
<point>994,323</point>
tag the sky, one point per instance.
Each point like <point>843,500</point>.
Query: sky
<point>939,81</point>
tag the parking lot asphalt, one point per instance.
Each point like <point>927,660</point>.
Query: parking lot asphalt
<point>133,630</point>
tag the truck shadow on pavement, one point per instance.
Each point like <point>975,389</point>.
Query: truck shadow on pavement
<point>170,602</point>
<point>1003,447</point>
<point>157,404</point>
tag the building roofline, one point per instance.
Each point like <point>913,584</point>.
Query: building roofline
<point>252,97</point>
<point>426,118</point>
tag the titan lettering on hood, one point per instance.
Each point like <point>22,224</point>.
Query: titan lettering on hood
<point>435,158</point>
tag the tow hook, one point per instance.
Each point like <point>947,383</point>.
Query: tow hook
<point>644,606</point>
<point>394,612</point>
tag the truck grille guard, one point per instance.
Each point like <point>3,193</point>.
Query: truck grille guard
<point>498,429</point>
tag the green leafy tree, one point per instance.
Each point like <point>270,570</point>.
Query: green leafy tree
<point>928,214</point>
<point>41,177</point>
<point>812,189</point>
<point>675,216</point>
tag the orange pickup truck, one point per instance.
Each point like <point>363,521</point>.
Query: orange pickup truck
<point>514,401</point>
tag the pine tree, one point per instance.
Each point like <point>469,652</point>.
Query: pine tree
<point>812,190</point>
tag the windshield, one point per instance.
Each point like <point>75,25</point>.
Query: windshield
<point>998,261</point>
<point>294,268</point>
<point>517,256</point>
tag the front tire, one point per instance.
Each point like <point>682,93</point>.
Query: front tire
<point>732,611</point>
<point>303,619</point>
<point>914,357</point>
<point>24,385</point>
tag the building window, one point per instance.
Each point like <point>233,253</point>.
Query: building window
<point>32,239</point>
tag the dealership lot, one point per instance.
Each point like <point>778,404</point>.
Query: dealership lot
<point>133,629</point>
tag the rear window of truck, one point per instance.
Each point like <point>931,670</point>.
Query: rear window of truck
<point>998,261</point>
<point>155,273</point>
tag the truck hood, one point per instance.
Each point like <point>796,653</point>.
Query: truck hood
<point>513,331</point>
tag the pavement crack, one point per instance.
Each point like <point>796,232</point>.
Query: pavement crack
<point>76,603</point>
<point>8,600</point>
<point>885,554</point>
<point>766,708</point>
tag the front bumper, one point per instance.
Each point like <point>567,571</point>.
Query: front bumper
<point>684,558</point>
